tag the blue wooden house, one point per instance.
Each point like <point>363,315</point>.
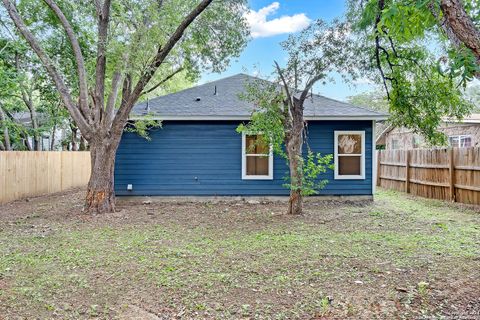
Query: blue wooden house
<point>198,152</point>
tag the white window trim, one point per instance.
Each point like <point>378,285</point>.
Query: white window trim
<point>362,158</point>
<point>460,137</point>
<point>244,163</point>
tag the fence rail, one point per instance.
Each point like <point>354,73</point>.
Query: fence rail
<point>445,174</point>
<point>33,173</point>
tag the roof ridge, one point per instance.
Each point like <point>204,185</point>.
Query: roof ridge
<point>201,100</point>
<point>348,103</point>
<point>258,78</point>
<point>196,86</point>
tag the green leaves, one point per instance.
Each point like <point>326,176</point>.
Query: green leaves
<point>463,65</point>
<point>406,22</point>
<point>143,127</point>
<point>269,115</point>
<point>421,97</point>
<point>269,120</point>
<point>375,100</point>
<point>403,47</point>
<point>317,51</point>
<point>313,165</point>
<point>139,28</point>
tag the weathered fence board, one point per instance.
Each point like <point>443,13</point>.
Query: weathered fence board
<point>33,173</point>
<point>445,174</point>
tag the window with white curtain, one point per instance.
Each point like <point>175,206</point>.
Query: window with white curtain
<point>349,154</point>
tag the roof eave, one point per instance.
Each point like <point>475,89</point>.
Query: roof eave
<point>465,121</point>
<point>232,118</point>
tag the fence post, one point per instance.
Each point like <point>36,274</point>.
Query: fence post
<point>407,171</point>
<point>379,155</point>
<point>451,170</point>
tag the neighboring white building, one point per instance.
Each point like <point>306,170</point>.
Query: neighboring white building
<point>462,134</point>
<point>60,134</point>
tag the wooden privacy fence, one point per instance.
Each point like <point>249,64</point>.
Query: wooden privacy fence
<point>446,174</point>
<point>33,173</point>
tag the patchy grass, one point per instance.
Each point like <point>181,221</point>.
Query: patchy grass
<point>400,257</point>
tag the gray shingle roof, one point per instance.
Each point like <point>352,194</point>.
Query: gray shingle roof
<point>201,102</point>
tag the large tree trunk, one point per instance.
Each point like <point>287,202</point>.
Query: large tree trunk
<point>100,124</point>
<point>294,152</point>
<point>100,193</point>
<point>461,25</point>
<point>294,143</point>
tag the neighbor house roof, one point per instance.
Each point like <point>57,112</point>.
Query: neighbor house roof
<point>473,118</point>
<point>219,100</point>
<point>22,117</point>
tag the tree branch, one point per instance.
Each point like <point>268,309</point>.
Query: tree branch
<point>381,6</point>
<point>77,51</point>
<point>288,121</point>
<point>461,25</point>
<point>122,114</point>
<point>309,86</point>
<point>285,85</point>
<point>100,70</point>
<point>51,69</point>
<point>126,89</point>
<point>98,5</point>
<point>112,99</point>
<point>6,134</point>
<point>171,75</point>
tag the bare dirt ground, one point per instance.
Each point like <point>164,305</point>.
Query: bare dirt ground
<point>399,257</point>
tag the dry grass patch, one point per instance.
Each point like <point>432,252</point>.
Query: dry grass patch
<point>400,257</point>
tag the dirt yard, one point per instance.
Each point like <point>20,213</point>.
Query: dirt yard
<point>397,258</point>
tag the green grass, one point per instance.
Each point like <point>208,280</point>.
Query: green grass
<point>247,262</point>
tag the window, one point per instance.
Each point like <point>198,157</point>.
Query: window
<point>395,144</point>
<point>349,154</point>
<point>257,158</point>
<point>45,143</point>
<point>461,141</point>
<point>417,142</point>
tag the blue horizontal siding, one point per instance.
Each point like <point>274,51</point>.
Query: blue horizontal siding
<point>204,158</point>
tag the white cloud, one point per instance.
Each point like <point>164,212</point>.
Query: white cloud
<point>260,27</point>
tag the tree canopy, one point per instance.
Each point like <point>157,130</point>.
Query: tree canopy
<point>374,99</point>
<point>119,52</point>
<point>312,55</point>
<point>416,49</point>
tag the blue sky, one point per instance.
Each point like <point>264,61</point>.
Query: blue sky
<point>285,17</point>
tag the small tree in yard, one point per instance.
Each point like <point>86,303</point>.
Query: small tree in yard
<point>137,42</point>
<point>312,55</point>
